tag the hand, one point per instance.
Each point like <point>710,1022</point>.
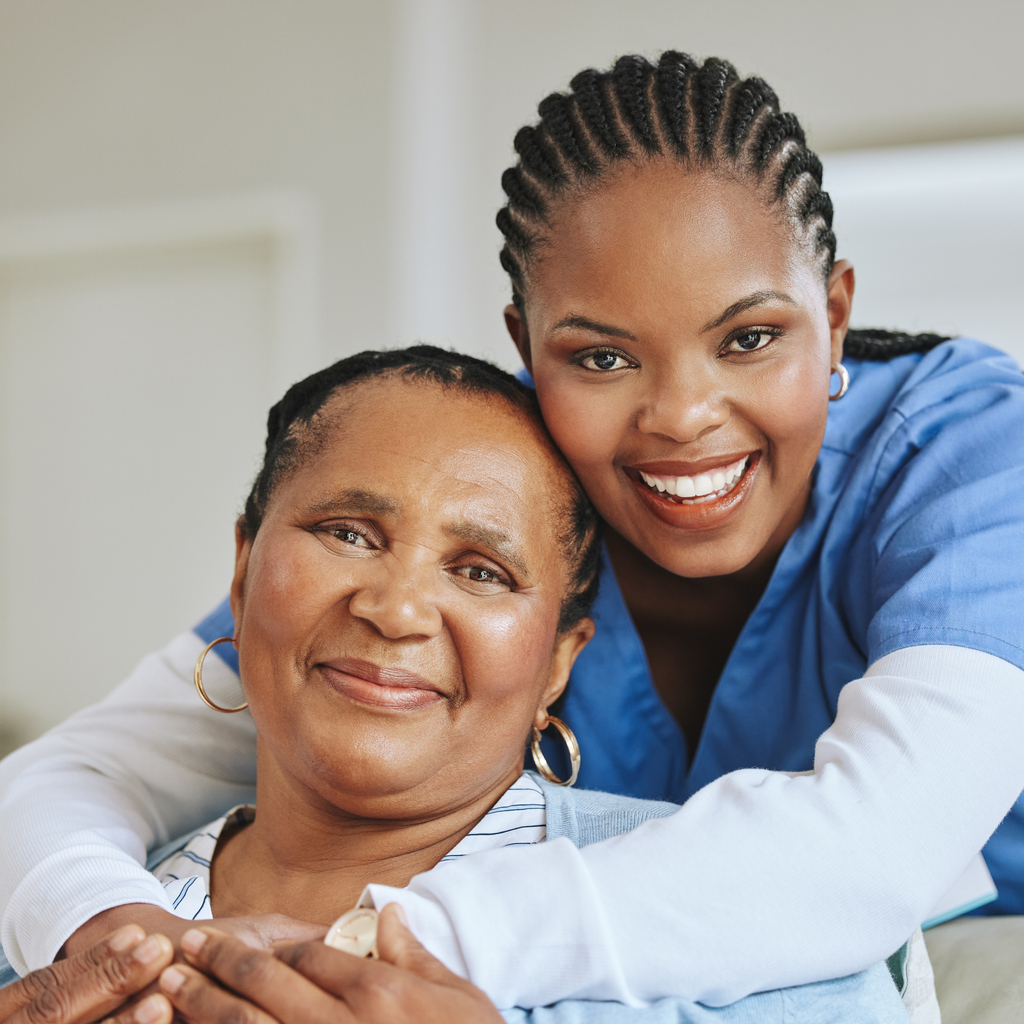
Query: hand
<point>93,983</point>
<point>259,931</point>
<point>310,981</point>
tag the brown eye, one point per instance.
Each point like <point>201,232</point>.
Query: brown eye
<point>483,574</point>
<point>347,536</point>
<point>751,341</point>
<point>604,360</point>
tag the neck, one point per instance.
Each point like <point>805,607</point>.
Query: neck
<point>307,858</point>
<point>689,625</point>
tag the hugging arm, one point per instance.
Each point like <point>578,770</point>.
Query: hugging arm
<point>763,880</point>
<point>930,735</point>
<point>312,981</point>
<point>80,806</point>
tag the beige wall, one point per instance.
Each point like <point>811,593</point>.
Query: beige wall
<point>389,122</point>
<point>104,102</point>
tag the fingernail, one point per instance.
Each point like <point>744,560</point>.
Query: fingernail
<point>125,937</point>
<point>400,911</point>
<point>193,940</point>
<point>150,1009</point>
<point>172,979</point>
<point>146,952</point>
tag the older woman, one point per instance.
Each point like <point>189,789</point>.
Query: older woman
<point>414,569</point>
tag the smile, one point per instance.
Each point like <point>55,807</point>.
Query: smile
<point>699,489</point>
<point>366,683</point>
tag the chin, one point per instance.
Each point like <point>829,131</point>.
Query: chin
<point>719,557</point>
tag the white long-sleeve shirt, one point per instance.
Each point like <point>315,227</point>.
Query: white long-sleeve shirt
<point>762,880</point>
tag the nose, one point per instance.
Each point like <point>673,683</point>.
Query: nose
<point>398,600</point>
<point>682,406</point>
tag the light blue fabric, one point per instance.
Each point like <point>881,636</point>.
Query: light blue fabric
<point>8,975</point>
<point>584,817</point>
<point>866,998</point>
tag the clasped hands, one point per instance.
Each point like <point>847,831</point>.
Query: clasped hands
<point>131,978</point>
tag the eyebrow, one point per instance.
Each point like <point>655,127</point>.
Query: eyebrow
<point>355,500</point>
<point>582,323</point>
<point>491,538</point>
<point>752,300</point>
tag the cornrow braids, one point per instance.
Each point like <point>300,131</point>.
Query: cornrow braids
<point>879,345</point>
<point>701,114</point>
<point>293,437</point>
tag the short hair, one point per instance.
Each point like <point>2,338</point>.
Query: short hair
<point>292,439</point>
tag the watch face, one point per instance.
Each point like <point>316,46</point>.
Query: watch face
<point>355,932</point>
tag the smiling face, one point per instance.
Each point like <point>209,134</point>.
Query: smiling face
<point>397,609</point>
<point>681,342</point>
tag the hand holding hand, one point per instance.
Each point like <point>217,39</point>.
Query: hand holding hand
<point>259,931</point>
<point>310,981</point>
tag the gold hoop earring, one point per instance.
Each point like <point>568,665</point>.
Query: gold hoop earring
<point>542,762</point>
<point>844,382</point>
<point>197,678</point>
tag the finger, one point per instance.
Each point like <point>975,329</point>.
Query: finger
<point>397,945</point>
<point>333,970</point>
<point>261,977</point>
<point>273,928</point>
<point>154,1009</point>
<point>99,991</point>
<point>201,1000</point>
<point>14,997</point>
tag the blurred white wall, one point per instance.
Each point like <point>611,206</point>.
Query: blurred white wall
<point>202,199</point>
<point>934,233</point>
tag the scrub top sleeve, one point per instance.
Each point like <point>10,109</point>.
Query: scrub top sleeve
<point>945,538</point>
<point>79,807</point>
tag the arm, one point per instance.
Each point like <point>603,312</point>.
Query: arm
<point>311,981</point>
<point>775,879</point>
<point>80,806</point>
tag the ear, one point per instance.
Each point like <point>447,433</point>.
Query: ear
<point>840,302</point>
<point>243,548</point>
<point>567,650</point>
<point>520,337</point>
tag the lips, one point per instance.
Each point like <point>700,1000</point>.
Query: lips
<point>699,487</point>
<point>696,496</point>
<point>367,683</point>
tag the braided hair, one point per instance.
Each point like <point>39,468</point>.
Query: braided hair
<point>295,434</point>
<point>702,115</point>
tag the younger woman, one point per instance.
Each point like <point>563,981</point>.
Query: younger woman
<point>809,625</point>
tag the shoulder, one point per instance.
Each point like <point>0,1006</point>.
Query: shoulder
<point>585,816</point>
<point>953,380</point>
<point>935,415</point>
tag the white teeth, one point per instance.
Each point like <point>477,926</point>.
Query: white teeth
<point>700,486</point>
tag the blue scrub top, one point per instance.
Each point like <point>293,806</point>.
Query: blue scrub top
<point>914,534</point>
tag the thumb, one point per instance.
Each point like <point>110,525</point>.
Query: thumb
<point>397,945</point>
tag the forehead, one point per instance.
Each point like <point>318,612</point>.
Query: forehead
<point>663,237</point>
<point>433,448</point>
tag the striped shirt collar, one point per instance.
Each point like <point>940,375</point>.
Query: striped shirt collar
<point>516,819</point>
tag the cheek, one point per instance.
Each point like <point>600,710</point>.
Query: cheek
<point>587,424</point>
<point>288,590</point>
<point>504,657</point>
<point>790,409</point>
